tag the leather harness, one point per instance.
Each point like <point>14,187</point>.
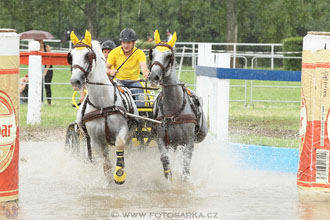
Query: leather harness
<point>177,117</point>
<point>99,112</point>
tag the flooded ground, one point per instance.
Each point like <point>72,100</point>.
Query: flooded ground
<point>56,185</point>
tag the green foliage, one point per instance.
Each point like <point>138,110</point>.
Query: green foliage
<point>259,21</point>
<point>292,47</point>
<point>145,44</point>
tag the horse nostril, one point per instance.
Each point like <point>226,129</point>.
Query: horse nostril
<point>76,83</point>
<point>157,78</point>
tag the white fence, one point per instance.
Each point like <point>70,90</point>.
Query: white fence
<point>245,53</point>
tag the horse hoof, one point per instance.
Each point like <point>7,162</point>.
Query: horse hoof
<point>168,174</point>
<point>186,177</point>
<point>119,175</point>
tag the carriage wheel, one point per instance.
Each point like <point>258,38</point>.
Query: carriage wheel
<point>72,140</point>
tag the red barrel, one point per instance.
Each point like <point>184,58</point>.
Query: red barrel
<point>314,163</point>
<point>9,114</point>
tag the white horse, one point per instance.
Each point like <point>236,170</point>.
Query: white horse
<point>102,114</point>
<point>178,108</point>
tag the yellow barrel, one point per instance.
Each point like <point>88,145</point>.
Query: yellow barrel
<point>9,114</point>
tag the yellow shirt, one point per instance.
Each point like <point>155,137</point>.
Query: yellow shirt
<point>131,69</point>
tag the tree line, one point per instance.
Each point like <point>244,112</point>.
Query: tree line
<point>243,21</point>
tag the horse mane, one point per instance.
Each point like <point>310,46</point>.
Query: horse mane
<point>100,59</point>
<point>97,49</point>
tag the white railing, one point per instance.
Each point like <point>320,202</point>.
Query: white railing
<point>189,50</point>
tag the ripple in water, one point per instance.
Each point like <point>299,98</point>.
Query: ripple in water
<point>57,185</point>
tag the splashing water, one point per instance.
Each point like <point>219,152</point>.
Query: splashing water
<point>56,185</point>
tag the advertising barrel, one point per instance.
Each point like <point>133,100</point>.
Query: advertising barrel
<point>313,171</point>
<point>9,115</point>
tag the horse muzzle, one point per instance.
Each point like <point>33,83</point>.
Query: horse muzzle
<point>77,84</point>
<point>154,80</point>
<point>154,84</point>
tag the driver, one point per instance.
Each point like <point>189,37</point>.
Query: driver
<point>128,74</point>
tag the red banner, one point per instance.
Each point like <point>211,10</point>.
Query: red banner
<point>48,58</point>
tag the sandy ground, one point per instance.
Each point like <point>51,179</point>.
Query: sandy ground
<point>43,134</point>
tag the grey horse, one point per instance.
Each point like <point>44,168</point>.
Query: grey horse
<point>178,108</point>
<point>101,113</point>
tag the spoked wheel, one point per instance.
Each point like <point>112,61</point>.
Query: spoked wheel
<point>72,140</point>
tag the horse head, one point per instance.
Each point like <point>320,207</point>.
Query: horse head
<point>161,59</point>
<point>82,59</point>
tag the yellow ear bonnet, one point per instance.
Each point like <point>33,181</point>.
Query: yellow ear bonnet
<point>171,42</point>
<point>74,38</point>
<point>87,40</point>
<point>157,37</point>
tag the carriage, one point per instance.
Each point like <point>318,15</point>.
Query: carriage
<point>109,115</point>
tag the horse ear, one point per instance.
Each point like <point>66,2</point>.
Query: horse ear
<point>74,38</point>
<point>88,38</point>
<point>173,40</point>
<point>157,37</point>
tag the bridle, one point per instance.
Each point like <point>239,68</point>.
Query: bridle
<point>157,63</point>
<point>90,57</point>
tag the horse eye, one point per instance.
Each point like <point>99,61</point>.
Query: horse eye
<point>86,56</point>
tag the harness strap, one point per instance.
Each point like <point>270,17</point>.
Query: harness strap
<point>182,106</point>
<point>114,90</point>
<point>107,129</point>
<point>158,64</point>
<point>81,44</point>
<point>111,110</point>
<point>79,67</point>
<point>180,119</point>
<point>164,69</point>
<point>90,103</point>
<point>88,138</point>
<point>99,113</point>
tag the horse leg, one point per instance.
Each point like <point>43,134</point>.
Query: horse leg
<point>119,174</point>
<point>187,155</point>
<point>79,116</point>
<point>164,159</point>
<point>107,167</point>
<point>102,149</point>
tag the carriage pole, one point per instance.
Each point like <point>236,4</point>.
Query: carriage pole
<point>9,122</point>
<point>140,117</point>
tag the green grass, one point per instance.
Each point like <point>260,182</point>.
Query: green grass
<point>260,124</point>
<point>265,141</point>
<point>270,124</point>
<point>61,112</point>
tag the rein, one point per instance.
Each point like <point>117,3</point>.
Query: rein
<point>177,117</point>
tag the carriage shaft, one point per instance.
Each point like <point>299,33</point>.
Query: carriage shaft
<point>143,118</point>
